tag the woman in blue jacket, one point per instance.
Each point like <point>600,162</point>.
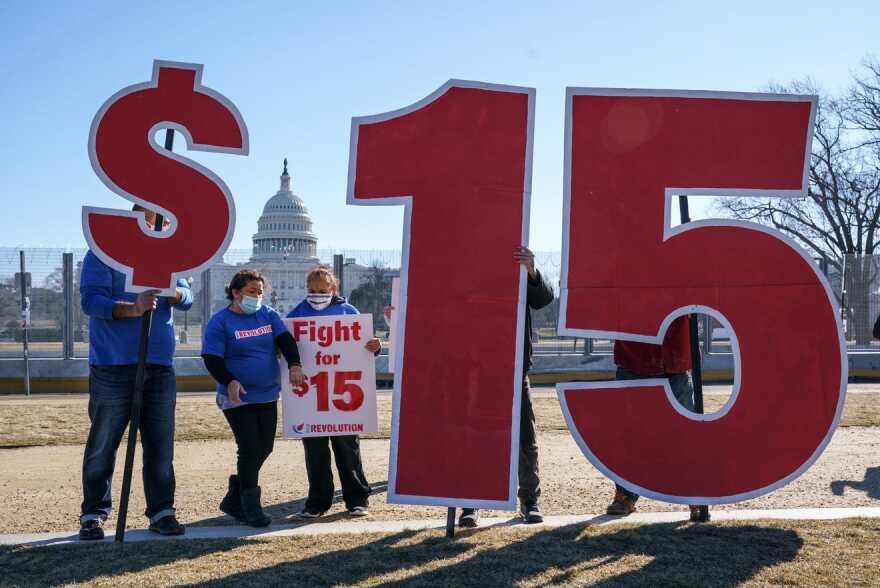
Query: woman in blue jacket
<point>323,300</point>
<point>240,349</point>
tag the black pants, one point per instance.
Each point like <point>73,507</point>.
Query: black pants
<point>254,428</point>
<point>346,450</point>
<point>529,483</point>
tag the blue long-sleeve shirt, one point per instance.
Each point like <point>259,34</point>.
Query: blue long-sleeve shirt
<point>115,341</point>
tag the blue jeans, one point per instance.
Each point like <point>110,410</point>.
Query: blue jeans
<point>681,389</point>
<point>110,391</point>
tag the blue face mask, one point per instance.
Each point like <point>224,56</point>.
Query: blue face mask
<point>249,304</point>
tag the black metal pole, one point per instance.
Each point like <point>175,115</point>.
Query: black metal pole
<point>450,522</point>
<point>138,395</point>
<point>696,357</point>
<point>25,324</point>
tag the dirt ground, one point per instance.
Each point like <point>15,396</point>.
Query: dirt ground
<point>40,486</point>
<point>63,419</point>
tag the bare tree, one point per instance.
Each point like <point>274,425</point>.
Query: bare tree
<point>838,221</point>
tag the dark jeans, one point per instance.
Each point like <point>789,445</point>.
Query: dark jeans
<point>529,483</point>
<point>253,426</point>
<point>681,389</point>
<point>346,450</point>
<point>110,391</point>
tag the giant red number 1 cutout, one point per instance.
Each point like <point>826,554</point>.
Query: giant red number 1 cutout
<point>459,161</point>
<point>626,275</point>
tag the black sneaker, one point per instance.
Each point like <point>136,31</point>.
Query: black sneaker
<point>470,518</point>
<point>91,530</point>
<point>167,525</point>
<point>310,513</point>
<point>530,512</point>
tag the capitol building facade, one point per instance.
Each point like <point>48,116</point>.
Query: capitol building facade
<point>285,249</point>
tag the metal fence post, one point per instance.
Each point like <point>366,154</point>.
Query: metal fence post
<point>67,287</point>
<point>206,298</point>
<point>25,323</point>
<point>338,269</point>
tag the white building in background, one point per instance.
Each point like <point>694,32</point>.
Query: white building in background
<point>285,248</point>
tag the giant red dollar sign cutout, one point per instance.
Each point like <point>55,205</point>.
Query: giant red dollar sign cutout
<point>627,275</point>
<point>125,156</point>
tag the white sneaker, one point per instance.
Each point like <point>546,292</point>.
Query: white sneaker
<point>358,511</point>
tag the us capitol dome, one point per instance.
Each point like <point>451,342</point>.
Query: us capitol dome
<point>284,231</point>
<point>285,249</point>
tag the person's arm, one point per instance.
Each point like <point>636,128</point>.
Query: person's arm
<point>373,345</point>
<point>183,296</point>
<point>287,345</point>
<point>96,294</point>
<point>538,293</point>
<point>217,368</point>
<point>877,328</point>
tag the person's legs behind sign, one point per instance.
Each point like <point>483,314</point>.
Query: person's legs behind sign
<point>529,480</point>
<point>624,501</point>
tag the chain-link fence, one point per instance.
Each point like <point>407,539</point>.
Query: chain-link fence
<point>58,327</point>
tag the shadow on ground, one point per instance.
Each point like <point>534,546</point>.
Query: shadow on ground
<point>870,485</point>
<point>678,554</point>
<point>283,512</point>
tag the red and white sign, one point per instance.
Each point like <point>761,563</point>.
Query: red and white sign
<point>627,274</point>
<point>459,161</point>
<point>126,157</point>
<point>339,394</point>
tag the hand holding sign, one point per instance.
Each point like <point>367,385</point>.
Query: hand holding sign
<point>126,158</point>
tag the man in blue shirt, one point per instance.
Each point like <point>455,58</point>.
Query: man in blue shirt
<point>114,335</point>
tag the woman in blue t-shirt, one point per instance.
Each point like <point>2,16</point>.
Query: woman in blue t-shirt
<point>323,300</point>
<point>240,347</point>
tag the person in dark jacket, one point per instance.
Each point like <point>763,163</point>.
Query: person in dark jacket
<point>538,295</point>
<point>240,348</point>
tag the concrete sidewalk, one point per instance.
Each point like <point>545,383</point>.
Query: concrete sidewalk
<point>335,528</point>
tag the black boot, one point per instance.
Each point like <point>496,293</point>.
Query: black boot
<point>253,511</point>
<point>231,503</point>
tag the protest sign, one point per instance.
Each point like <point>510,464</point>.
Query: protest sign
<point>338,396</point>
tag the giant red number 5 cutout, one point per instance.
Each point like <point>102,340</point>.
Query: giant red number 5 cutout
<point>626,275</point>
<point>459,161</point>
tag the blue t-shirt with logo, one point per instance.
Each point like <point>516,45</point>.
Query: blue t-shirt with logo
<point>246,342</point>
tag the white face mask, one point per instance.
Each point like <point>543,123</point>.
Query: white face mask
<point>319,301</point>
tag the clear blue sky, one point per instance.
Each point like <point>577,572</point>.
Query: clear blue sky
<point>298,72</point>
